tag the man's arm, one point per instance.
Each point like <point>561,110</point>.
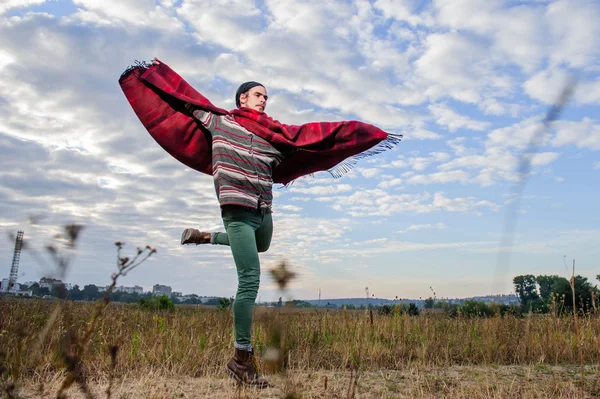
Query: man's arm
<point>207,119</point>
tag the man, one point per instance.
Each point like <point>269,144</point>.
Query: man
<point>242,172</point>
<point>245,151</point>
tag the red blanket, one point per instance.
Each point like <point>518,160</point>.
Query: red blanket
<point>158,95</point>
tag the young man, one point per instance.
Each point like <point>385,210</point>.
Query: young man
<point>245,151</point>
<point>242,167</point>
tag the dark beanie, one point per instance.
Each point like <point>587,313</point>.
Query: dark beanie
<point>244,87</point>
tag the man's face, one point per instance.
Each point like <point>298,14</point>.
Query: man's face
<point>255,98</point>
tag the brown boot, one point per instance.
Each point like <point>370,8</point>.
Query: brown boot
<point>194,236</point>
<point>242,368</point>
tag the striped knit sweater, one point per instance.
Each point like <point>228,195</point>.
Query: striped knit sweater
<point>242,163</point>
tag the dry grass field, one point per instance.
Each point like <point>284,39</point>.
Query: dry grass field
<point>324,354</point>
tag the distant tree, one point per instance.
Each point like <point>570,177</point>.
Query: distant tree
<point>165,303</point>
<point>279,303</point>
<point>35,289</point>
<point>212,302</point>
<point>413,310</point>
<point>545,284</point>
<point>59,291</point>
<point>563,294</point>
<point>90,292</point>
<point>157,303</point>
<point>75,293</point>
<point>526,289</point>
<point>429,303</point>
<point>385,310</point>
<point>224,303</point>
<point>473,308</point>
<point>299,304</point>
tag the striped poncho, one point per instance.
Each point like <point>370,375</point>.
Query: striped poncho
<point>242,163</point>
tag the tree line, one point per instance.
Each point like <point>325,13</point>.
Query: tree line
<point>552,293</point>
<point>91,292</point>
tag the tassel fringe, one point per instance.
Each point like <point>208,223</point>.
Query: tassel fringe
<point>137,64</point>
<point>348,164</point>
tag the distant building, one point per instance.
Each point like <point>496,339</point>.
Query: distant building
<point>189,297</point>
<point>50,283</point>
<point>176,294</point>
<point>15,290</point>
<point>159,290</point>
<point>128,290</point>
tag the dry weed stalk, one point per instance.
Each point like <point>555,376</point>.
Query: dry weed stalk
<point>74,348</point>
<point>578,337</point>
<point>79,347</point>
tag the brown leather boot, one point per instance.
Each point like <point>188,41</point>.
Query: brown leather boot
<point>241,367</point>
<point>194,236</point>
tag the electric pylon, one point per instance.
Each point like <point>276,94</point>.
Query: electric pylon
<point>14,270</point>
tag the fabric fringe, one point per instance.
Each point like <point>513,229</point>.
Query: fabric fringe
<point>348,164</point>
<point>137,64</point>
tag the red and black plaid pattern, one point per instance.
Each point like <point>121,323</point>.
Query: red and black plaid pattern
<point>158,95</point>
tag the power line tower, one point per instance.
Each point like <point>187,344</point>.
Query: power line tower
<point>14,270</point>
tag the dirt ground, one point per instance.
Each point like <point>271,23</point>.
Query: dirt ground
<point>535,381</point>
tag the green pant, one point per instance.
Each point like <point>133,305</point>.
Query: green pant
<point>248,232</point>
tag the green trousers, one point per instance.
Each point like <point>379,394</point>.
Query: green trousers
<point>248,232</point>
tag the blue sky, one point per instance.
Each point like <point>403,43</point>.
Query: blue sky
<point>466,82</point>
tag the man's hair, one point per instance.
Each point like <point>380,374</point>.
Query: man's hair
<point>244,87</point>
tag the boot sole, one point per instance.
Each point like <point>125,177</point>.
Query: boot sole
<point>185,236</point>
<point>244,383</point>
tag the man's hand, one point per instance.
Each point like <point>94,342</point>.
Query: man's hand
<point>155,62</point>
<point>190,108</point>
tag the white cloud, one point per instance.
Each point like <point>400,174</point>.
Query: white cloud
<point>588,92</point>
<point>422,134</point>
<point>390,183</point>
<point>445,116</point>
<point>291,208</point>
<point>369,172</point>
<point>547,85</point>
<point>131,12</point>
<point>584,134</point>
<point>378,202</point>
<point>416,227</point>
<point>597,165</point>
<point>575,30</point>
<point>420,163</point>
<point>402,10</point>
<point>322,190</point>
<point>452,66</point>
<point>543,158</point>
<point>519,135</point>
<point>440,177</point>
<point>12,4</point>
<point>495,158</point>
<point>229,23</point>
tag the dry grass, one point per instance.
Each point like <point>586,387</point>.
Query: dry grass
<point>193,342</point>
<point>454,382</point>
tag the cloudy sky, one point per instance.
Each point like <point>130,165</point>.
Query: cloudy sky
<point>467,82</point>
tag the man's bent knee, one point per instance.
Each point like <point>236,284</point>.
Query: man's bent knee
<point>263,248</point>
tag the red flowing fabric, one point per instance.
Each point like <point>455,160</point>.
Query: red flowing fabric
<point>158,96</point>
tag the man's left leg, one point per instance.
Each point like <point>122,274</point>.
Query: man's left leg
<point>241,225</point>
